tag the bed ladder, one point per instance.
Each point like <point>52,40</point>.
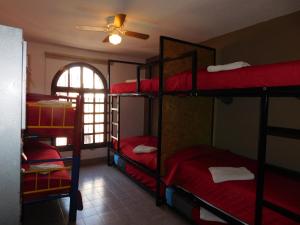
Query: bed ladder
<point>114,126</point>
<point>266,130</point>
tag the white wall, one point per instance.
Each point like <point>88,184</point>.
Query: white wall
<point>43,69</point>
<point>236,125</point>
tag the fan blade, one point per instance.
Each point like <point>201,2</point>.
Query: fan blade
<point>136,35</point>
<point>106,39</point>
<point>119,20</point>
<point>90,28</point>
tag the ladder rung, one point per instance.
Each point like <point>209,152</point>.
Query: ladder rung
<point>114,109</point>
<point>114,123</point>
<point>115,138</point>
<point>284,132</point>
<point>282,211</point>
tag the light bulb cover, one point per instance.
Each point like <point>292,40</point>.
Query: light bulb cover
<point>115,39</point>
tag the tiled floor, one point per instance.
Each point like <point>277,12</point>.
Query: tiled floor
<point>109,198</point>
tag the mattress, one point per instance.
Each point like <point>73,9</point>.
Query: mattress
<point>269,75</point>
<point>39,151</point>
<point>130,87</point>
<point>189,170</point>
<point>135,173</point>
<point>147,159</point>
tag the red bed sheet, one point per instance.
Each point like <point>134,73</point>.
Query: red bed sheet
<point>130,87</point>
<point>141,176</point>
<point>147,159</point>
<point>37,151</point>
<point>269,75</point>
<point>189,169</point>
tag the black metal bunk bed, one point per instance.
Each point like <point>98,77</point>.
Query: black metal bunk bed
<point>114,127</point>
<point>264,93</point>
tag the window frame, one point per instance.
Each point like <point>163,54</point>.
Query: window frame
<point>82,91</point>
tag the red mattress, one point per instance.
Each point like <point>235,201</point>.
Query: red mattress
<point>147,159</point>
<point>269,75</point>
<point>146,86</point>
<point>141,176</point>
<point>37,151</point>
<point>189,169</point>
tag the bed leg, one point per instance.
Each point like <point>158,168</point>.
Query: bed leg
<point>74,189</point>
<point>158,202</point>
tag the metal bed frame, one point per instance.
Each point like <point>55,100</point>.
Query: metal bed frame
<point>264,130</point>
<point>74,168</point>
<point>112,108</point>
<point>263,93</point>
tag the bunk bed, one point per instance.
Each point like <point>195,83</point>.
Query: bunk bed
<point>140,167</point>
<point>263,81</point>
<point>46,175</point>
<point>187,169</point>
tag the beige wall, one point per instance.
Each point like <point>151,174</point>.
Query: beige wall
<point>236,125</point>
<point>43,69</point>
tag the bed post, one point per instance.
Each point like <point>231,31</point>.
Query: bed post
<point>150,106</point>
<point>261,157</point>
<point>194,72</point>
<point>119,121</point>
<point>160,105</point>
<point>138,80</point>
<point>109,112</point>
<point>76,160</point>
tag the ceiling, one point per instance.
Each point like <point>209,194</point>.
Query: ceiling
<point>54,21</point>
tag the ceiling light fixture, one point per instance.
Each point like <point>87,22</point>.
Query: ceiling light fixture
<point>115,39</point>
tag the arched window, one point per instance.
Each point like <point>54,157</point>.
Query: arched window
<point>83,79</point>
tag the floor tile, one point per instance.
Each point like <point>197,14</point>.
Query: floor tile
<point>109,198</point>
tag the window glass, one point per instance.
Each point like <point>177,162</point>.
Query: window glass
<point>82,80</point>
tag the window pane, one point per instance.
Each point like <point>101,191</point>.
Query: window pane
<point>99,98</point>
<point>88,108</point>
<point>88,118</point>
<point>88,139</point>
<point>99,118</point>
<point>99,128</point>
<point>75,76</point>
<point>99,107</point>
<point>89,97</point>
<point>98,82</point>
<point>99,138</point>
<point>61,141</point>
<point>63,80</point>
<point>88,78</point>
<point>88,129</point>
<point>81,79</point>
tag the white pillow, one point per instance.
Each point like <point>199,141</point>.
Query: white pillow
<point>144,149</point>
<point>229,66</point>
<point>132,80</point>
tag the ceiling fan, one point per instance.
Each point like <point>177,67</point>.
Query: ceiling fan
<point>115,30</point>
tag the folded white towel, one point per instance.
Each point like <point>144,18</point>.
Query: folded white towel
<point>144,149</point>
<point>45,166</point>
<point>229,66</point>
<point>208,216</point>
<point>221,174</point>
